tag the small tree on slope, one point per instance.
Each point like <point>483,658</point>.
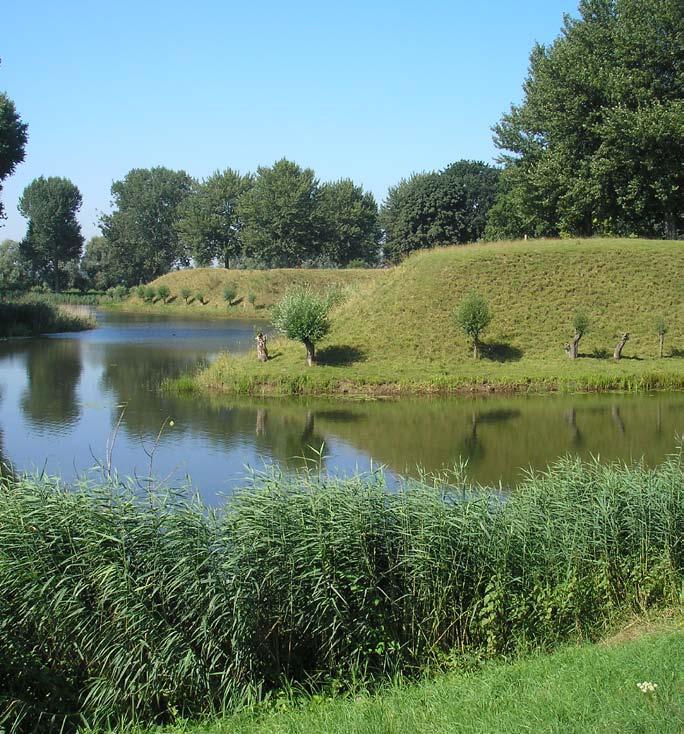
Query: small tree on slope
<point>303,316</point>
<point>473,317</point>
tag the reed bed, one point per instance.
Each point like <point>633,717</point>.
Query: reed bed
<point>118,608</point>
<point>30,318</point>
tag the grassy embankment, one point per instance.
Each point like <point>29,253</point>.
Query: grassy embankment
<point>34,317</point>
<point>125,608</point>
<point>395,333</point>
<point>589,689</point>
<point>267,286</point>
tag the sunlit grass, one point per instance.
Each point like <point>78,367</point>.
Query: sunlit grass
<point>395,333</point>
<point>125,606</point>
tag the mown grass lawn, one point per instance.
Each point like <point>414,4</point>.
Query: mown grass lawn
<point>589,689</point>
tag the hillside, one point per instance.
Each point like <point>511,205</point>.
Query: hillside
<point>267,286</point>
<point>395,332</point>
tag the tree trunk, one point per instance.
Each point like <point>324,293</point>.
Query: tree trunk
<point>620,346</point>
<point>56,279</point>
<point>670,227</point>
<point>310,352</point>
<point>572,349</point>
<point>226,262</point>
<point>661,341</point>
<point>262,352</point>
<point>476,352</point>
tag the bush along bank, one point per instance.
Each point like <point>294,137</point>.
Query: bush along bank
<point>118,608</point>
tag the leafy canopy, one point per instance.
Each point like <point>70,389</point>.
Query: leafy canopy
<point>53,237</point>
<point>13,139</point>
<point>302,315</point>
<point>581,323</point>
<point>597,144</point>
<point>473,315</point>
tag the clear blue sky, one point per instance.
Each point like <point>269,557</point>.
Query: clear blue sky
<point>368,90</point>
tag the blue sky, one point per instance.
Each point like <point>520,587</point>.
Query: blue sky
<point>368,90</point>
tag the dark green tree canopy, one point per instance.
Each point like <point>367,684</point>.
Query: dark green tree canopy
<point>143,241</point>
<point>15,273</point>
<point>280,217</point>
<point>597,145</point>
<point>439,208</point>
<point>349,223</point>
<point>96,264</point>
<point>53,237</point>
<point>13,138</point>
<point>208,223</point>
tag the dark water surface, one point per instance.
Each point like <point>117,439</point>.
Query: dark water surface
<point>62,397</point>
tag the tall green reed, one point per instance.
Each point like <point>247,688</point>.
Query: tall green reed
<point>120,608</point>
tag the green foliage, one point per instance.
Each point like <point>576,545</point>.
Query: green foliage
<point>596,145</point>
<point>149,294</point>
<point>53,237</point>
<point>34,316</point>
<point>473,316</point>
<point>185,294</point>
<point>208,223</point>
<point>15,272</point>
<point>199,296</point>
<point>97,265</point>
<point>580,323</point>
<point>13,139</point>
<point>251,298</point>
<point>164,292</point>
<point>661,326</point>
<point>140,292</point>
<point>309,579</point>
<point>302,315</point>
<point>142,240</point>
<point>229,294</point>
<point>349,223</point>
<point>439,208</point>
<point>279,215</point>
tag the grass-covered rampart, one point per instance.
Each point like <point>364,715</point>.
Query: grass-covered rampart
<point>202,291</point>
<point>118,607</point>
<point>34,317</point>
<point>396,332</point>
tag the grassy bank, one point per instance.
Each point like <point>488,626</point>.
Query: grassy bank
<point>266,287</point>
<point>125,608</point>
<point>31,318</point>
<point>579,690</point>
<point>395,333</point>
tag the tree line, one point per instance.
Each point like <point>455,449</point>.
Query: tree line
<point>596,147</point>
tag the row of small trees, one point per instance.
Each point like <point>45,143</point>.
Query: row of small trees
<point>303,316</point>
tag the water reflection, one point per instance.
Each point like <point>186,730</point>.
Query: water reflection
<point>61,399</point>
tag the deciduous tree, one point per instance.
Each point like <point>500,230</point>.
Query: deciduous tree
<point>53,237</point>
<point>13,138</point>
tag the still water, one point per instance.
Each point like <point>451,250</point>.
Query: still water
<point>62,398</point>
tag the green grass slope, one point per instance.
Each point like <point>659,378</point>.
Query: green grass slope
<point>267,285</point>
<point>396,331</point>
<point>591,689</point>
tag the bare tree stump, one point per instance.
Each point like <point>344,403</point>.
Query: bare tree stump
<point>572,349</point>
<point>262,352</point>
<point>620,346</point>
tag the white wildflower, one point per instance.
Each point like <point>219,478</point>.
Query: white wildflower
<point>647,687</point>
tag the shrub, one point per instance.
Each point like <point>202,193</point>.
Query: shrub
<point>150,294</point>
<point>199,296</point>
<point>251,299</point>
<point>120,292</point>
<point>229,293</point>
<point>164,292</point>
<point>140,292</point>
<point>302,315</point>
<point>185,294</point>
<point>473,317</point>
<point>580,323</point>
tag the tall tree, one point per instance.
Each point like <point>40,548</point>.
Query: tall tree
<point>438,208</point>
<point>143,242</point>
<point>53,237</point>
<point>596,146</point>
<point>13,138</point>
<point>280,218</point>
<point>349,223</point>
<point>208,223</point>
<point>97,265</point>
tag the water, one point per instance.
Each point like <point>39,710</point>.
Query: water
<point>61,399</point>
